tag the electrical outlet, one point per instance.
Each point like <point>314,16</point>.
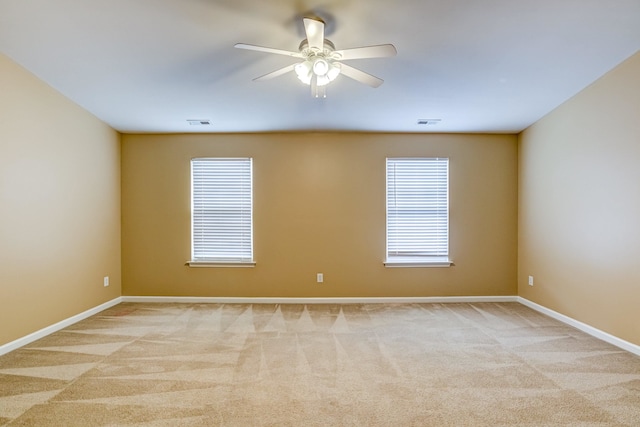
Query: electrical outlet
<point>105,281</point>
<point>319,277</point>
<point>530,280</point>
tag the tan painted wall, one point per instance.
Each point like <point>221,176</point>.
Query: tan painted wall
<point>579,206</point>
<point>59,206</point>
<point>319,201</point>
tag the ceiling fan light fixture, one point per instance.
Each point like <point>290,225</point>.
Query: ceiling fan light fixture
<point>320,67</point>
<point>303,71</point>
<point>324,70</point>
<point>334,71</point>
<point>321,62</point>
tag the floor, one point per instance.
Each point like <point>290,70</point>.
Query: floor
<point>480,364</point>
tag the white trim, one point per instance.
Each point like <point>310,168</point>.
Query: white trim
<point>595,332</point>
<point>28,339</point>
<point>207,264</point>
<point>427,264</point>
<point>320,300</point>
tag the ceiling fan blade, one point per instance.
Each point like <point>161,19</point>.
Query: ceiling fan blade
<point>268,50</point>
<point>315,33</point>
<point>275,73</point>
<point>360,76</point>
<point>378,51</point>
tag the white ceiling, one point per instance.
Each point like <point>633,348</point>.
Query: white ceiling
<point>478,65</point>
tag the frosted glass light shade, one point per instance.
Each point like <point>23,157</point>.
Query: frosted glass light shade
<point>326,71</point>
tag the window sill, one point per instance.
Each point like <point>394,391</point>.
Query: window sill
<point>420,263</point>
<point>214,264</point>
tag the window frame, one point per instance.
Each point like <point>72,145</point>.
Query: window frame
<point>441,259</point>
<point>241,257</point>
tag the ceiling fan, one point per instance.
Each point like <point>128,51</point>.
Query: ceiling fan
<point>321,62</point>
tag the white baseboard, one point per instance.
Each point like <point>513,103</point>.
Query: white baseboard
<point>604,336</point>
<point>595,332</point>
<point>20,342</point>
<point>320,300</point>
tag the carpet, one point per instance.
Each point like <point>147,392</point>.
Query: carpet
<point>480,364</point>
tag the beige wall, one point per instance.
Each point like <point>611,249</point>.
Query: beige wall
<point>579,206</point>
<point>59,206</point>
<point>319,207</point>
<point>319,202</point>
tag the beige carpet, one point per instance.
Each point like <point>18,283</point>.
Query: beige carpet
<point>319,365</point>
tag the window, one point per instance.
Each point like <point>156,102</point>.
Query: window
<point>417,212</point>
<point>221,211</point>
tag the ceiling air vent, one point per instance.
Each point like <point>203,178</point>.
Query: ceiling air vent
<point>199,122</point>
<point>429,121</point>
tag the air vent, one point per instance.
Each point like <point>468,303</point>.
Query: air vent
<point>194,122</point>
<point>429,121</point>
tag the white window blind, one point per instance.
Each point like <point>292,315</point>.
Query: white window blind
<point>221,210</point>
<point>417,209</point>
